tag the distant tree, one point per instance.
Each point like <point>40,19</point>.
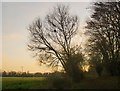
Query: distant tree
<point>12,74</point>
<point>51,41</point>
<point>4,73</point>
<point>104,31</point>
<point>38,74</point>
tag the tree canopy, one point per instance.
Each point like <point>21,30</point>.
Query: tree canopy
<point>104,32</point>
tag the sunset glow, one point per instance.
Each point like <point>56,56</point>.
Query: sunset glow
<point>15,36</point>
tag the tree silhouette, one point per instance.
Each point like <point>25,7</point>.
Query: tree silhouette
<point>97,63</point>
<point>104,31</point>
<point>51,41</point>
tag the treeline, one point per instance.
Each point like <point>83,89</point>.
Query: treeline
<point>103,30</point>
<point>27,74</point>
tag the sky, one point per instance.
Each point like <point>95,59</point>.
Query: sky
<point>16,17</point>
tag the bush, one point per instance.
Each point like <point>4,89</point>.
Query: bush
<point>60,82</point>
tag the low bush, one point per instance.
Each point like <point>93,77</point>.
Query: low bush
<point>60,82</point>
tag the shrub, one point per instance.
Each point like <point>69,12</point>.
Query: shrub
<point>60,82</point>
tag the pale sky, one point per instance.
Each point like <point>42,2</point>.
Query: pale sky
<point>16,18</point>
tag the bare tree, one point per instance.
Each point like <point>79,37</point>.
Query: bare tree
<point>51,40</point>
<point>104,31</point>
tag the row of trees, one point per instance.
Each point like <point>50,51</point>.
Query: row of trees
<point>27,74</point>
<point>51,39</point>
<point>104,41</point>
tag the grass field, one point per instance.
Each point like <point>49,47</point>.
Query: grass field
<point>24,82</point>
<point>43,83</point>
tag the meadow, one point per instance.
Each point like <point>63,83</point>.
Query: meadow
<point>24,82</point>
<point>44,83</point>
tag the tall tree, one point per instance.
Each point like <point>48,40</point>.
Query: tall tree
<point>51,40</point>
<point>104,31</point>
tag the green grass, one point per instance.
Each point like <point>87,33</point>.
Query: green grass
<point>43,83</point>
<point>0,83</point>
<point>24,83</point>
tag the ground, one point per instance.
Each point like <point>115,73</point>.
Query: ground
<point>42,82</point>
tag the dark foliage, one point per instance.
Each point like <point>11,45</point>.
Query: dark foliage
<point>104,32</point>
